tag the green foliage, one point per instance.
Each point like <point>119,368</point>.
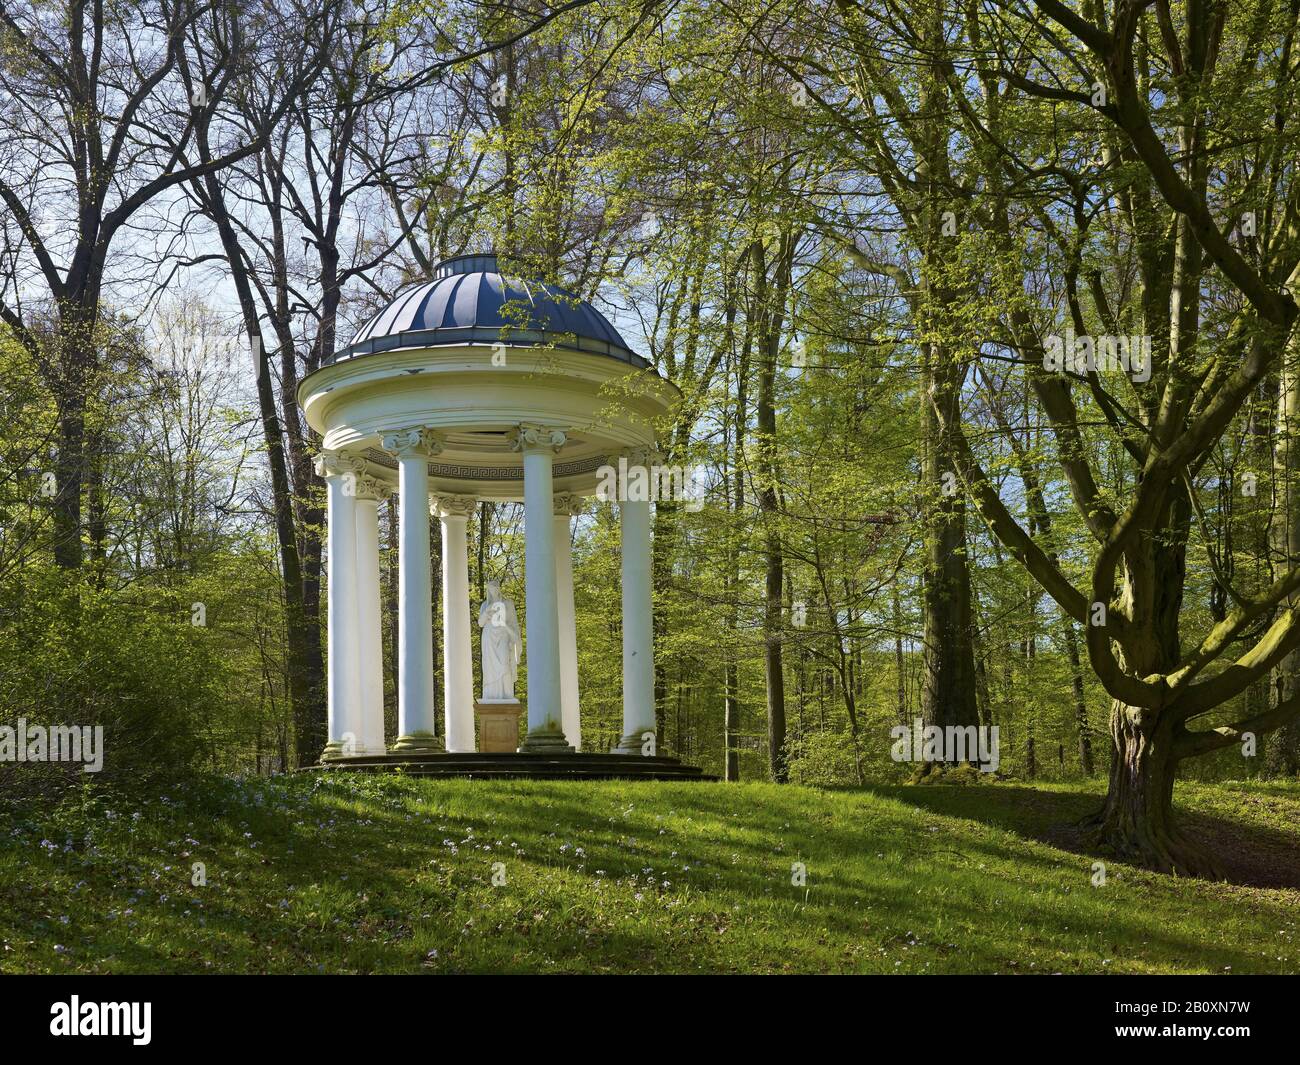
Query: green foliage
<point>133,665</point>
<point>171,635</point>
<point>822,759</point>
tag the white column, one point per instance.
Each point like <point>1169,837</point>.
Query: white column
<point>415,722</point>
<point>566,505</point>
<point>638,626</point>
<point>343,680</point>
<point>545,724</point>
<point>457,650</point>
<point>370,643</point>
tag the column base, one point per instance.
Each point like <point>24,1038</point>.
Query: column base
<point>633,743</point>
<point>334,749</point>
<point>546,743</point>
<point>418,741</point>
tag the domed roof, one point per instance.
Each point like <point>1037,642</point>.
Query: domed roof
<point>469,301</point>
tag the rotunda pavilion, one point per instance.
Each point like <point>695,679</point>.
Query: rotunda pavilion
<point>469,387</point>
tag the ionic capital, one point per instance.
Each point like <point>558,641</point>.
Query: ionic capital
<point>338,464</point>
<point>415,442</point>
<point>372,489</point>
<point>452,506</point>
<point>567,504</point>
<point>537,438</point>
<point>645,455</point>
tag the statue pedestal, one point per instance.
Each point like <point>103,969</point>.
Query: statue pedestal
<point>498,725</point>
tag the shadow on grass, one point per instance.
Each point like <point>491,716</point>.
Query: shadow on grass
<point>1253,855</point>
<point>856,895</point>
<point>371,883</point>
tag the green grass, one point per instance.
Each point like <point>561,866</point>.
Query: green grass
<point>389,874</point>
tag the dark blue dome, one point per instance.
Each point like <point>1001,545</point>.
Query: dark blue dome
<point>468,301</point>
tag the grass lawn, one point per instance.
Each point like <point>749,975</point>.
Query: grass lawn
<point>345,873</point>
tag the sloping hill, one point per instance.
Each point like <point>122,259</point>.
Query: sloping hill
<point>383,874</point>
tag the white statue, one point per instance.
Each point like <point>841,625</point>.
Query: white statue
<point>501,645</point>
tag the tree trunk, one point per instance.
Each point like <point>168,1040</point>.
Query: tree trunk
<point>312,716</point>
<point>96,508</point>
<point>304,658</point>
<point>1080,702</point>
<point>736,482</point>
<point>1282,752</point>
<point>69,464</point>
<point>769,500</point>
<point>731,725</point>
<point>484,530</point>
<point>948,694</point>
<point>1136,824</point>
<point>983,702</point>
<point>661,567</point>
<point>773,667</point>
<point>899,661</point>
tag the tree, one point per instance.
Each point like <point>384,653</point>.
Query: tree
<point>1206,365</point>
<point>103,106</point>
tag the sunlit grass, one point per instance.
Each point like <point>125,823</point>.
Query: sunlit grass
<point>386,874</point>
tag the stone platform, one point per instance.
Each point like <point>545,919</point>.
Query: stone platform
<point>519,766</point>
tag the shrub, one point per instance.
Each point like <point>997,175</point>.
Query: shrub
<point>129,662</point>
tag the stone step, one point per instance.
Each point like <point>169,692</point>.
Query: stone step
<point>524,760</point>
<point>521,766</point>
<point>534,774</point>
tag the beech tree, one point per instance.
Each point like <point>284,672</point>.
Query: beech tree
<point>1216,268</point>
